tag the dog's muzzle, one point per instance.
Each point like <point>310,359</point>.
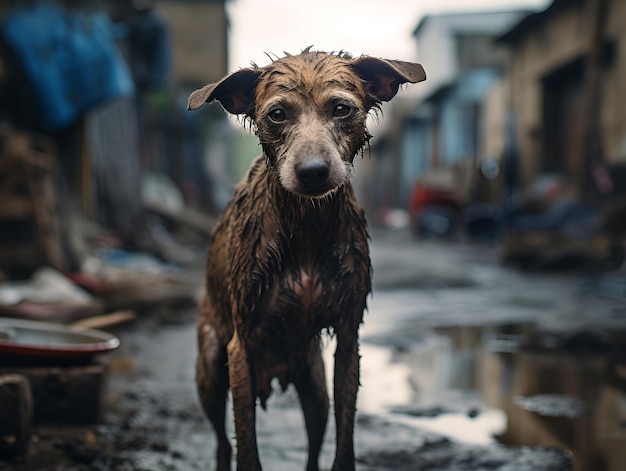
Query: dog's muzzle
<point>312,176</point>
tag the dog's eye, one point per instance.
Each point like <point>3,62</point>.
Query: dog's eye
<point>277,116</point>
<point>341,111</point>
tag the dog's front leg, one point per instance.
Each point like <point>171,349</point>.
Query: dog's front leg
<point>346,386</point>
<point>244,405</point>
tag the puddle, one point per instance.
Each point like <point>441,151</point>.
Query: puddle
<point>509,384</point>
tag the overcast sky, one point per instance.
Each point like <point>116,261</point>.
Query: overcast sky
<point>379,28</point>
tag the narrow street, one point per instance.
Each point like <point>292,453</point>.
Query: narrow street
<point>456,351</point>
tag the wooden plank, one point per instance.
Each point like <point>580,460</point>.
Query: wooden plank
<point>106,320</point>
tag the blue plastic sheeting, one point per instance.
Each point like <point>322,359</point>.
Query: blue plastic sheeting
<point>70,58</point>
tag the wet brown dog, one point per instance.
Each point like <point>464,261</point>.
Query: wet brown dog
<point>289,256</point>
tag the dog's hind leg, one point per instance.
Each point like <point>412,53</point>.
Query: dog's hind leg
<point>311,387</point>
<point>212,379</point>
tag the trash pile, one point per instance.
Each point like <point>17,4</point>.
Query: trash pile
<point>52,369</point>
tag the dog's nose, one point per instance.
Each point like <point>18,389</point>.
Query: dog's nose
<point>312,172</point>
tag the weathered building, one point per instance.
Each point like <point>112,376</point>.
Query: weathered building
<point>566,88</point>
<point>463,62</point>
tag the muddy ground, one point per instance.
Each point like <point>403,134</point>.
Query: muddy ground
<point>466,365</point>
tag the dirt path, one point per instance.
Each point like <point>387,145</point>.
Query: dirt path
<point>420,372</point>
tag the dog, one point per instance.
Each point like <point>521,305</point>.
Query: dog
<point>289,258</point>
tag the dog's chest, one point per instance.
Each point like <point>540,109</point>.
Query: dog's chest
<point>304,294</point>
<point>303,287</point>
<point>305,297</point>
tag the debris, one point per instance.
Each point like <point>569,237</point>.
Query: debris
<point>188,217</point>
<point>47,295</point>
<point>140,281</point>
<point>58,312</point>
<point>47,285</point>
<point>64,395</point>
<point>552,405</point>
<point>91,283</point>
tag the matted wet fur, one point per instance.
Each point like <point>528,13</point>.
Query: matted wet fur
<point>289,257</point>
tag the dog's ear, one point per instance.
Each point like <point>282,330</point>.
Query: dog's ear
<point>383,77</point>
<point>235,92</point>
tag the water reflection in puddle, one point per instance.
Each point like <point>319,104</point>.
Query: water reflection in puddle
<point>574,400</point>
<point>474,383</point>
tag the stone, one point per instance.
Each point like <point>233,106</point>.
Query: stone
<point>16,414</point>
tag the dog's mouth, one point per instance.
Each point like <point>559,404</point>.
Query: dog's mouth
<point>316,192</point>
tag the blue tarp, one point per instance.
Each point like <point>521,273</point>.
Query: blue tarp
<point>70,58</point>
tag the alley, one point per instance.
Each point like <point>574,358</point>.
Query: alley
<point>456,351</point>
<point>495,191</point>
